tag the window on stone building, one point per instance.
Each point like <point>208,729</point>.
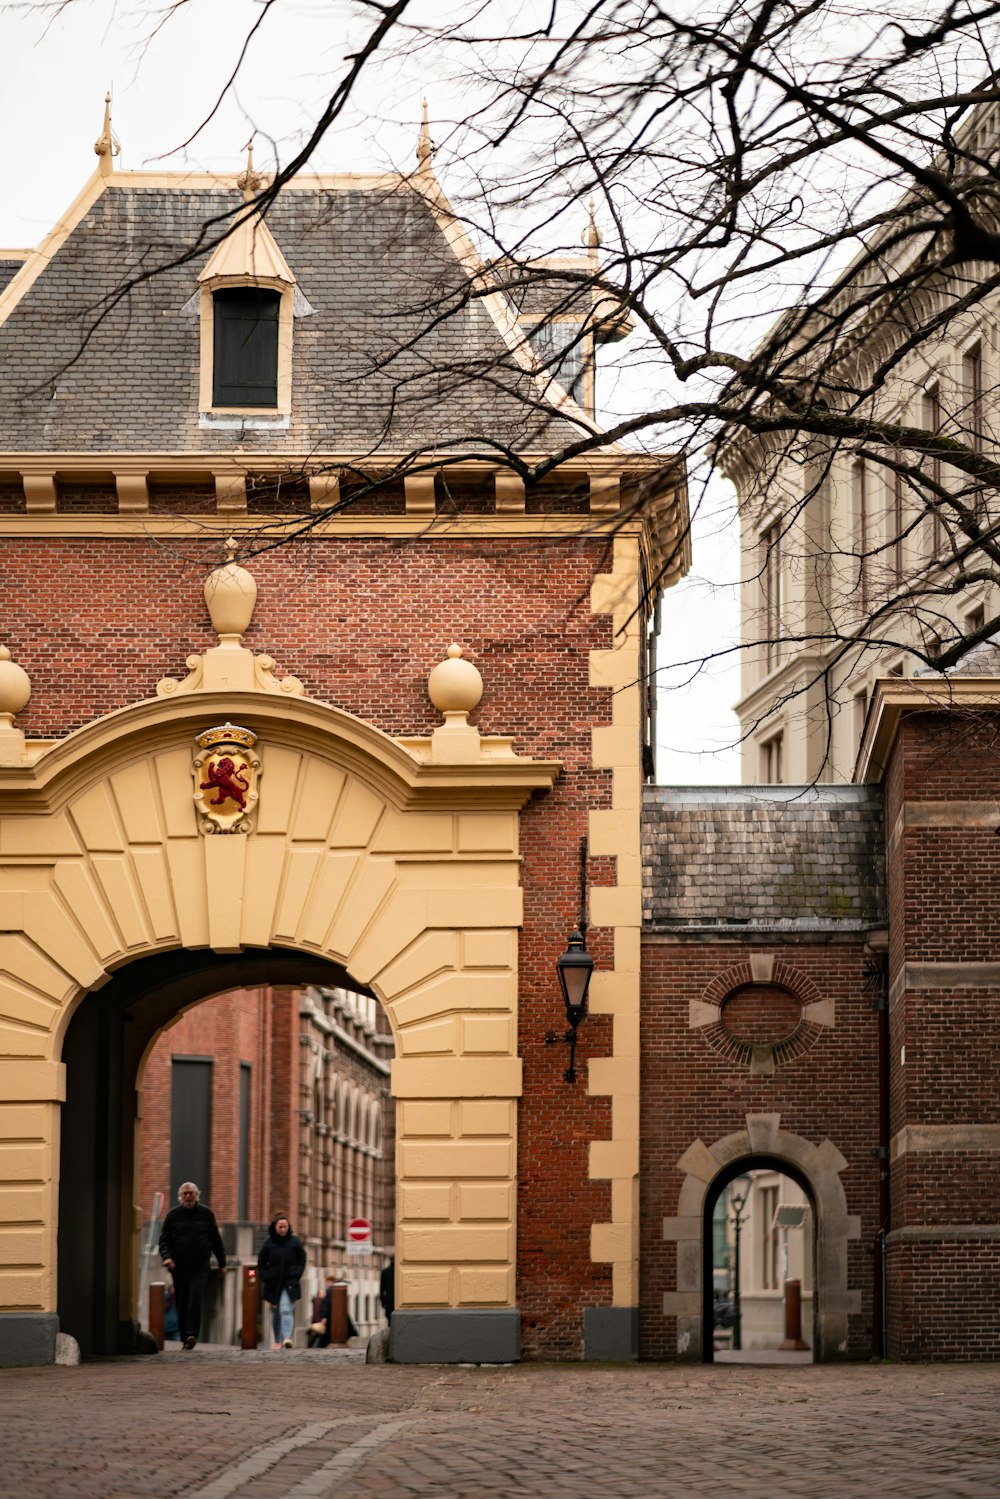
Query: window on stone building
<point>975,619</point>
<point>860,504</point>
<point>897,530</point>
<point>972,383</point>
<point>771,758</point>
<point>932,423</point>
<point>771,564</point>
<point>770,1246</point>
<point>860,714</point>
<point>246,346</point>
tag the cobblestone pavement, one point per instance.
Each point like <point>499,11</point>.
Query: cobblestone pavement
<point>306,1425</point>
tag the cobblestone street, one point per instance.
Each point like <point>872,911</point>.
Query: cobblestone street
<point>300,1425</point>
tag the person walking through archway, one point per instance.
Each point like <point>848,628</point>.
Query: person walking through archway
<point>188,1239</point>
<point>280,1264</point>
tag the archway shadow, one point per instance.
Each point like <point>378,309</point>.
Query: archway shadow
<point>718,1187</point>
<point>105,1043</point>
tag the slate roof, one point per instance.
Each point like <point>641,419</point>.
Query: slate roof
<point>8,269</point>
<point>735,860</point>
<point>371,371</point>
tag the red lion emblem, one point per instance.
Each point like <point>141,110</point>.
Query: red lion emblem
<point>230,783</point>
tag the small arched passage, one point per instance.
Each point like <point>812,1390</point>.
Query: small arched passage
<point>106,1043</point>
<point>718,1187</point>
<point>818,1168</point>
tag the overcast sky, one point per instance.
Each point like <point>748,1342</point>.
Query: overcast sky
<point>58,61</point>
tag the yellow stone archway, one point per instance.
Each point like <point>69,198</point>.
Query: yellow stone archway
<point>378,855</point>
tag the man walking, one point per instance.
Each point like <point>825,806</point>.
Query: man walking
<point>190,1235</point>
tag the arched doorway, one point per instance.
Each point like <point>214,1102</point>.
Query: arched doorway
<point>364,857</point>
<point>105,1043</point>
<point>707,1169</point>
<point>743,1277</point>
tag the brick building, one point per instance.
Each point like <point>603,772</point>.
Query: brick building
<point>274,775</point>
<point>276,1099</point>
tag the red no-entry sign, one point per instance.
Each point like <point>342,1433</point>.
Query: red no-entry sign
<point>359,1231</point>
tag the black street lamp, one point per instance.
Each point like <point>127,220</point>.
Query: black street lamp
<point>574,969</point>
<point>739,1191</point>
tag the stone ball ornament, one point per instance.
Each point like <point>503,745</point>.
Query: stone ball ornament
<point>230,594</point>
<point>455,686</point>
<point>15,685</point>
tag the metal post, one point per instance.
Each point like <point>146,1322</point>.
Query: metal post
<point>338,1313</point>
<point>149,1251</point>
<point>157,1299</point>
<point>737,1312</point>
<point>251,1309</point>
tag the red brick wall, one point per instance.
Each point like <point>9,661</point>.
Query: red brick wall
<point>944,892</point>
<point>362,622</point>
<point>232,1029</point>
<point>692,1091</point>
<point>283,1117</point>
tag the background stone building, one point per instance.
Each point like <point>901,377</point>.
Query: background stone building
<point>856,554</point>
<point>276,1099</point>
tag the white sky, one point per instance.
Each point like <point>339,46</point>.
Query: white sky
<point>58,62</point>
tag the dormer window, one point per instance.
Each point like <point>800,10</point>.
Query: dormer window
<point>245,363</point>
<point>247,308</point>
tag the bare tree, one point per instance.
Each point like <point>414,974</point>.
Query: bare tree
<point>798,213</point>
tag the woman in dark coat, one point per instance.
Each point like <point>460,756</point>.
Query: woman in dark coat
<point>280,1264</point>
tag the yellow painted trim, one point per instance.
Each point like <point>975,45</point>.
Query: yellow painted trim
<point>222,182</point>
<point>896,696</point>
<point>249,255</point>
<point>39,259</point>
<point>443,527</point>
<point>401,779</point>
<point>206,371</point>
<point>615,831</point>
<point>77,463</point>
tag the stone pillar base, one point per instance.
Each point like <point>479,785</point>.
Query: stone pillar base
<point>611,1333</point>
<point>456,1336</point>
<point>27,1338</point>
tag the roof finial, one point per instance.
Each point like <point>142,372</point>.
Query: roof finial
<point>249,182</point>
<point>425,146</point>
<point>107,145</point>
<point>592,235</point>
<point>15,690</point>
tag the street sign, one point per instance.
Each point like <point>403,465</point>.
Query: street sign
<point>359,1236</point>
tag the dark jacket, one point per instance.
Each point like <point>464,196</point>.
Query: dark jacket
<point>280,1265</point>
<point>190,1236</point>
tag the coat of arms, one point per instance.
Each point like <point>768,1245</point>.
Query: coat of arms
<point>226,772</point>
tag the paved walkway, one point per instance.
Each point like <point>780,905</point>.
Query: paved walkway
<point>307,1425</point>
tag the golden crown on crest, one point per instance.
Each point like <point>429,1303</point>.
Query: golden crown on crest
<point>227,733</point>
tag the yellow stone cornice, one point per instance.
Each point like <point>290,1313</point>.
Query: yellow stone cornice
<point>56,769</point>
<point>662,519</point>
<point>894,697</point>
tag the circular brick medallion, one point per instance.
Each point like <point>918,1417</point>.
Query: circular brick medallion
<point>761,1019</point>
<point>761,1014</point>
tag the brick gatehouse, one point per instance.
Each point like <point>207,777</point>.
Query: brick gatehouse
<point>406,821</point>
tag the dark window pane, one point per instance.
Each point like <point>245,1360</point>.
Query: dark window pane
<point>246,347</point>
<point>559,348</point>
<point>191,1125</point>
